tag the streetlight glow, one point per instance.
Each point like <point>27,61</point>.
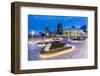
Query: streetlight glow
<point>32,32</point>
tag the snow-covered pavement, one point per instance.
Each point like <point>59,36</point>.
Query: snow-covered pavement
<point>81,51</point>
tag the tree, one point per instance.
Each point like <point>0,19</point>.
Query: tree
<point>84,28</point>
<point>73,26</point>
<point>42,34</point>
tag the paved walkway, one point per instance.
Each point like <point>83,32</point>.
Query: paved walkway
<point>79,52</point>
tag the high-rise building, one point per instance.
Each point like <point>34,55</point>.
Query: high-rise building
<point>46,31</point>
<point>59,28</point>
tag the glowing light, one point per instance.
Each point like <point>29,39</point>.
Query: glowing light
<point>32,32</point>
<point>56,54</point>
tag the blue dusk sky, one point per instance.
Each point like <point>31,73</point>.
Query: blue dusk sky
<point>37,23</point>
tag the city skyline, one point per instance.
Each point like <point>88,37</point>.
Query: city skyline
<point>37,23</point>
<point>57,37</point>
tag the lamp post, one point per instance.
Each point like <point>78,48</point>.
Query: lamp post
<point>32,33</point>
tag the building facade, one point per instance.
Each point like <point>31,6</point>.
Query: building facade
<point>46,31</point>
<point>59,29</point>
<point>74,34</point>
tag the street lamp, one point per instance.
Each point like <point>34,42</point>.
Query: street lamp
<point>32,33</point>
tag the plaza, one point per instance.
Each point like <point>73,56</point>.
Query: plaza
<point>57,37</point>
<point>80,50</point>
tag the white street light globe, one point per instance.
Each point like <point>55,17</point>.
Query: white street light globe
<point>32,32</point>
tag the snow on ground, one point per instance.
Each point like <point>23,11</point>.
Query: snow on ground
<point>81,51</point>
